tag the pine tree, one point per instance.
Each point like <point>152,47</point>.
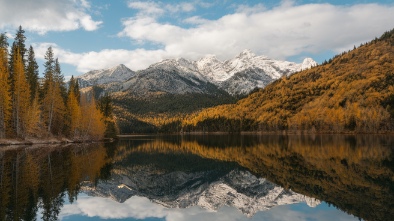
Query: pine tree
<point>3,41</point>
<point>77,92</point>
<point>5,97</point>
<point>105,106</point>
<point>53,108</point>
<point>52,100</point>
<point>32,73</point>
<point>49,69</point>
<point>18,46</point>
<point>59,78</point>
<point>20,39</point>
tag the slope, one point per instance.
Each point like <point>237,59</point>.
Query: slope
<point>353,92</point>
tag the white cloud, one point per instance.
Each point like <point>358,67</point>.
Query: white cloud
<point>181,7</point>
<point>157,9</point>
<point>146,8</point>
<point>195,20</point>
<point>250,10</point>
<point>280,32</point>
<point>42,16</point>
<point>141,208</point>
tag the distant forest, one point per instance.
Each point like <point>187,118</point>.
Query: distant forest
<point>353,92</point>
<point>33,107</point>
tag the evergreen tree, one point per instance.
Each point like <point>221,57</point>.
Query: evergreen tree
<point>77,92</point>
<point>32,73</point>
<point>20,39</point>
<point>3,41</point>
<point>49,69</point>
<point>105,105</point>
<point>53,108</point>
<point>59,78</point>
<point>53,102</point>
<point>106,108</point>
<point>18,46</point>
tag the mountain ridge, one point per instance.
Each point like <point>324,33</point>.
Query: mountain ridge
<point>351,93</point>
<point>208,69</point>
<point>239,189</point>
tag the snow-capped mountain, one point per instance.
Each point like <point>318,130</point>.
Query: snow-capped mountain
<point>165,79</point>
<point>207,189</point>
<point>308,63</point>
<point>117,74</point>
<point>237,76</point>
<point>247,71</point>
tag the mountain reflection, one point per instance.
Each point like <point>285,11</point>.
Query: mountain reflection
<point>250,173</point>
<point>353,173</point>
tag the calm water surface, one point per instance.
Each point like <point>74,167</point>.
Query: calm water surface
<point>217,177</point>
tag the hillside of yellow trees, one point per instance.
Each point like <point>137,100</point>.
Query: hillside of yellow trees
<point>351,93</point>
<point>41,109</point>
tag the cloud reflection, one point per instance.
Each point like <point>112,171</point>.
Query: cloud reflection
<point>142,208</point>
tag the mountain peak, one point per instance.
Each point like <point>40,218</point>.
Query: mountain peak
<point>247,53</point>
<point>308,63</point>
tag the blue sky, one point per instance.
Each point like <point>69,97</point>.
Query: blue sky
<point>88,35</point>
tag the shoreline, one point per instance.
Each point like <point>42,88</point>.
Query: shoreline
<point>282,132</point>
<point>30,141</point>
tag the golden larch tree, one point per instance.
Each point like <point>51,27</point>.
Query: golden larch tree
<point>74,114</point>
<point>21,97</point>
<point>5,97</point>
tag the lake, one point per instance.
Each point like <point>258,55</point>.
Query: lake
<point>202,177</point>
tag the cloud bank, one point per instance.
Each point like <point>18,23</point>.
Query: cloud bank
<point>142,208</point>
<point>42,16</point>
<point>280,32</point>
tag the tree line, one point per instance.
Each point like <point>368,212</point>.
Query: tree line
<point>353,93</point>
<point>34,107</point>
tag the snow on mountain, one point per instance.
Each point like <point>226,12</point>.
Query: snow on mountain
<point>237,76</point>
<point>240,75</point>
<point>118,73</point>
<point>308,63</point>
<point>236,188</point>
<point>164,80</point>
<point>184,67</point>
<point>213,69</point>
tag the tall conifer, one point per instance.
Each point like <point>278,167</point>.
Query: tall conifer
<point>21,97</point>
<point>74,116</point>
<point>32,73</point>
<point>53,103</point>
<point>5,98</point>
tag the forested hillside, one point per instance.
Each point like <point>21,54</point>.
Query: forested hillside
<point>36,108</point>
<point>353,92</point>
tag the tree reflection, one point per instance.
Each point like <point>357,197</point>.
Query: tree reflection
<point>353,173</point>
<point>40,177</point>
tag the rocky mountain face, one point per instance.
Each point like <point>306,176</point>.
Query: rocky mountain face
<point>208,189</point>
<point>117,74</point>
<point>237,76</point>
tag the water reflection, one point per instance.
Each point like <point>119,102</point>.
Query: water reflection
<point>37,178</point>
<point>171,176</point>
